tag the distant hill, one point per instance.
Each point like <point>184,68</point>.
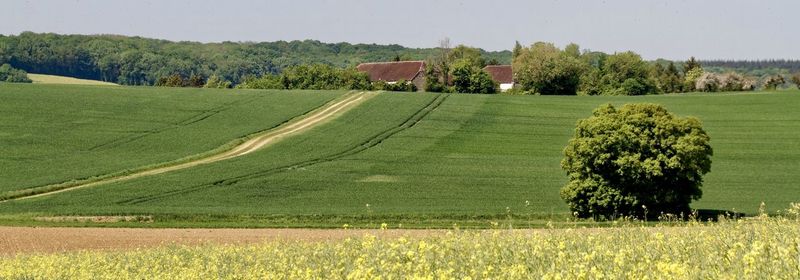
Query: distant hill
<point>141,61</point>
<point>53,79</point>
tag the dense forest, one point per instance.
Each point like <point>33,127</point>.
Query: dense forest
<point>142,61</point>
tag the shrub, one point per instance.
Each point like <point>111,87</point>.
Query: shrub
<point>773,82</point>
<point>796,79</point>
<point>623,160</point>
<point>268,81</point>
<point>13,75</point>
<point>708,82</point>
<point>216,82</point>
<point>177,80</point>
<point>401,85</point>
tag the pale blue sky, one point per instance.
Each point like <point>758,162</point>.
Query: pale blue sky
<point>674,29</point>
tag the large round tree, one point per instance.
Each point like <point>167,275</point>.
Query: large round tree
<point>635,160</point>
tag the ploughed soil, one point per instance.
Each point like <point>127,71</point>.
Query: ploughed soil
<point>26,240</point>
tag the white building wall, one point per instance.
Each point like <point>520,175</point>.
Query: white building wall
<point>506,87</point>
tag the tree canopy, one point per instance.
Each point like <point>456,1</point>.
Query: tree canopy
<point>635,160</point>
<point>12,75</point>
<point>545,69</point>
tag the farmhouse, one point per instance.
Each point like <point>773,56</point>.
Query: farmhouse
<point>502,74</point>
<point>392,72</point>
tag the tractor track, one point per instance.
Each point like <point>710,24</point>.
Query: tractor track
<point>318,116</point>
<point>369,143</point>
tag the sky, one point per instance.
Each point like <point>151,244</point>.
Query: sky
<point>671,29</point>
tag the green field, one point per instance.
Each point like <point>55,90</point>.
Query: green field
<point>55,133</point>
<point>416,159</point>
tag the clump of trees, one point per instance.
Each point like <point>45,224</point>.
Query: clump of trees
<point>178,80</point>
<point>12,75</point>
<point>316,77</point>
<point>459,69</point>
<point>543,68</point>
<point>638,160</point>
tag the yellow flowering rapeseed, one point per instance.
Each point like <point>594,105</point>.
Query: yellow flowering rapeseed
<point>762,248</point>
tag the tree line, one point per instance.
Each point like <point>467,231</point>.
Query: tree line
<point>142,61</point>
<point>543,68</point>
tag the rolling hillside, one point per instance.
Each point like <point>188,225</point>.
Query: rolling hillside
<point>416,159</point>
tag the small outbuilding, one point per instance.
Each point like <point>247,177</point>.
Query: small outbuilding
<point>393,72</point>
<point>502,74</point>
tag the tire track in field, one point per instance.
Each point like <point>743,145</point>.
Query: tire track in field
<point>185,122</point>
<point>324,113</point>
<point>369,143</point>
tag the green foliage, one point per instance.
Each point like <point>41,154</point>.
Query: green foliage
<point>469,78</point>
<point>268,81</point>
<point>545,69</point>
<point>517,50</point>
<point>669,79</point>
<point>691,65</point>
<point>216,82</point>
<point>11,75</point>
<point>626,74</point>
<point>315,77</point>
<point>691,77</point>
<point>572,50</point>
<point>796,79</point>
<point>635,160</point>
<point>466,55</point>
<point>323,77</point>
<point>176,80</point>
<point>433,79</point>
<point>401,85</point>
<point>142,61</point>
<point>481,82</point>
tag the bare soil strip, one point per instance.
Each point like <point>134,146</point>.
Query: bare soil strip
<point>259,141</point>
<point>28,240</point>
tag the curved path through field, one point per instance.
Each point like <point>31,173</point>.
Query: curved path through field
<point>327,112</point>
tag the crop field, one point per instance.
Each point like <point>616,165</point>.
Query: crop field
<point>56,133</point>
<point>52,79</point>
<point>761,248</point>
<point>409,160</point>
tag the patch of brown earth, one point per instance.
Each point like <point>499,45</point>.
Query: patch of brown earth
<point>26,240</point>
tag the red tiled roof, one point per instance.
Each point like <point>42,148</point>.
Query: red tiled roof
<point>500,73</point>
<point>392,71</point>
